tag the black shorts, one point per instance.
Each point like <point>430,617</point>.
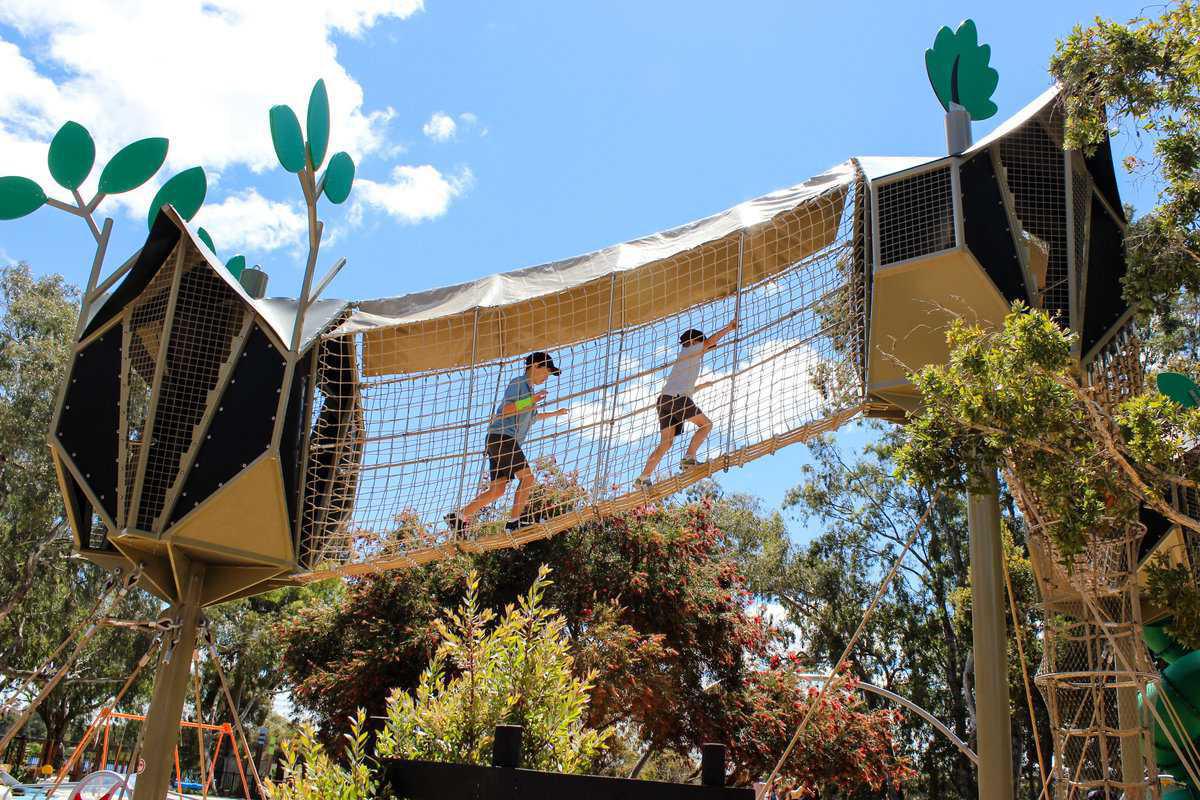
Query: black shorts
<point>505,457</point>
<point>674,410</point>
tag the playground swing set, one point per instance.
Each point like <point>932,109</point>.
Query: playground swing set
<point>212,443</point>
<point>97,737</point>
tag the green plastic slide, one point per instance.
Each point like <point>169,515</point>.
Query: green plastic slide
<point>1181,685</point>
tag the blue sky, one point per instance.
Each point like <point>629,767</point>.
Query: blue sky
<point>491,136</point>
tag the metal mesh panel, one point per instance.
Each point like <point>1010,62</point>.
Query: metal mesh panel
<point>916,216</point>
<point>391,454</point>
<point>207,317</point>
<point>143,335</point>
<point>1033,163</point>
<point>1081,198</point>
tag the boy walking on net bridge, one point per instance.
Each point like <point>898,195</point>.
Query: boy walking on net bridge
<point>506,432</point>
<point>675,405</point>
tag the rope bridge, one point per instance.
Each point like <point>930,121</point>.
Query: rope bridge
<point>405,388</point>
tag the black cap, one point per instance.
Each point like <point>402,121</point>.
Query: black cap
<point>541,359</point>
<point>690,335</point>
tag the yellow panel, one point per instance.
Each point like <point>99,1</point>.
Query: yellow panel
<point>243,521</point>
<point>912,307</point>
<point>221,583</point>
<point>579,313</point>
<point>157,572</point>
<point>77,526</point>
<point>1171,551</point>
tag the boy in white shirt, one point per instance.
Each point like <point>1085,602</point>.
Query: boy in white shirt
<point>675,405</point>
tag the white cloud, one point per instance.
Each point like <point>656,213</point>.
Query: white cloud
<point>468,119</point>
<point>251,222</point>
<point>414,193</point>
<point>201,73</point>
<point>441,127</point>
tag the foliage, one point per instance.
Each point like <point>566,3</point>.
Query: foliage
<point>1144,75</point>
<point>958,70</point>
<point>846,748</point>
<point>858,514</point>
<point>309,773</point>
<point>247,636</point>
<point>37,317</point>
<point>518,671</point>
<point>1008,398</point>
<point>35,332</point>
<point>1174,587</point>
<point>656,608</point>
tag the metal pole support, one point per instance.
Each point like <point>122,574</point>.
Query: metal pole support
<point>958,130</point>
<point>990,641</point>
<point>160,732</point>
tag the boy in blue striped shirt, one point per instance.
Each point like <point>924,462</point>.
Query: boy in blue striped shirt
<point>506,432</point>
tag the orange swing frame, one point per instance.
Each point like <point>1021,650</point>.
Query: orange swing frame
<point>105,718</point>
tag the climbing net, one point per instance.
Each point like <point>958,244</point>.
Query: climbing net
<point>400,413</point>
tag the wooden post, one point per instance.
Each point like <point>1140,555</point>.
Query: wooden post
<point>160,732</point>
<point>990,642</point>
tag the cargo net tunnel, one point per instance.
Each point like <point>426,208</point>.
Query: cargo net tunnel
<point>405,389</point>
<point>843,285</point>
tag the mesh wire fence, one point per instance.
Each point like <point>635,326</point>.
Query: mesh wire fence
<point>167,385</point>
<point>392,452</point>
<point>916,216</point>
<point>1033,161</point>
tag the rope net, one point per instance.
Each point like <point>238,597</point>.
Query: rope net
<point>1095,665</point>
<point>399,437</point>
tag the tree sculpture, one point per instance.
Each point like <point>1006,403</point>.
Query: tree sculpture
<point>179,429</point>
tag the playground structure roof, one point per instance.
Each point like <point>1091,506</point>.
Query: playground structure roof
<point>556,301</point>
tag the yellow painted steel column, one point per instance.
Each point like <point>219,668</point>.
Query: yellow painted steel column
<point>990,642</point>
<point>160,732</point>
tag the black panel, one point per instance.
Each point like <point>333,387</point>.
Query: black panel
<point>430,780</point>
<point>987,227</point>
<point>291,442</point>
<point>81,510</point>
<point>241,429</point>
<point>162,239</point>
<point>1100,165</point>
<point>1104,303</point>
<point>1156,528</point>
<point>90,424</point>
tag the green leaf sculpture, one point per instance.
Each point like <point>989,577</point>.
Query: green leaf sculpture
<point>1180,388</point>
<point>133,165</point>
<point>339,177</point>
<point>72,155</point>
<point>286,136</point>
<point>958,70</point>
<point>318,124</point>
<point>185,191</point>
<point>235,265</point>
<point>19,196</point>
<point>207,239</point>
